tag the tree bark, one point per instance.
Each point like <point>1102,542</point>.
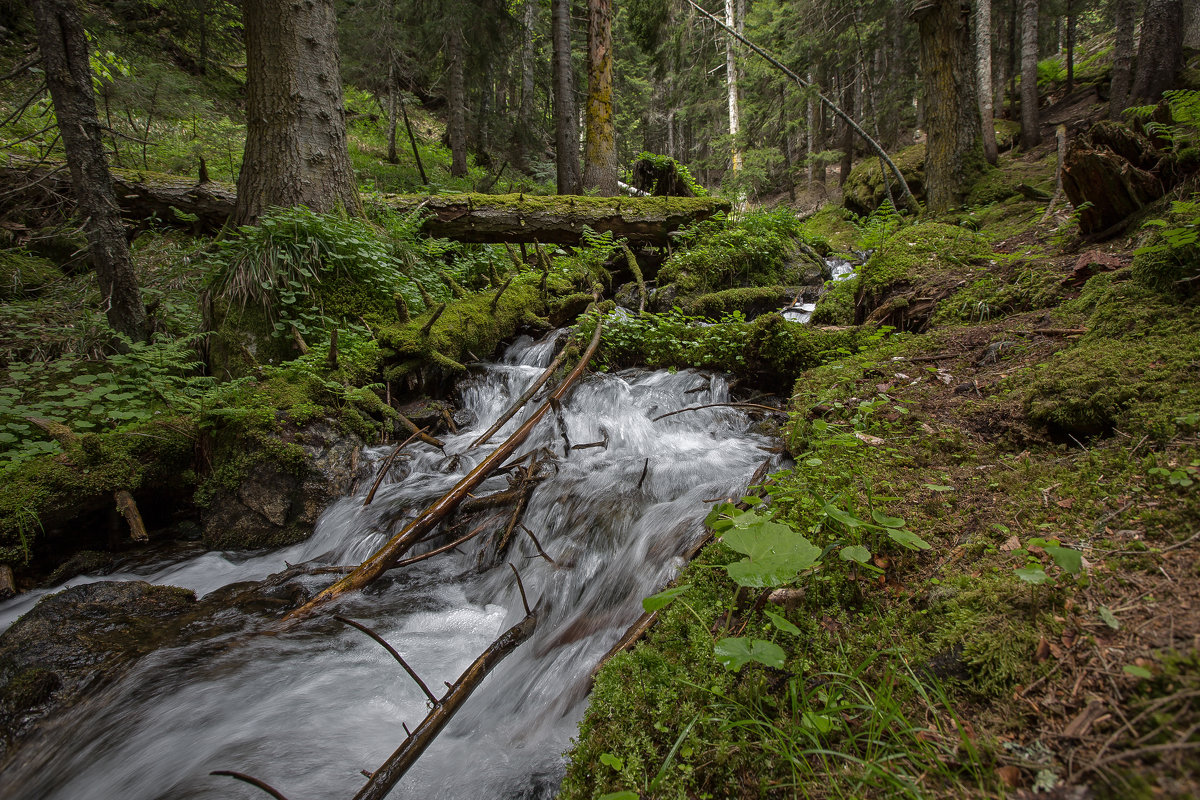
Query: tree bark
<point>67,67</point>
<point>295,122</point>
<point>456,95</point>
<point>1070,46</point>
<point>954,150</point>
<point>1122,70</point>
<point>392,112</point>
<point>1160,51</point>
<point>1031,133</point>
<point>847,144</point>
<point>600,149</point>
<point>523,134</point>
<point>731,89</point>
<point>983,55</point>
<point>566,130</point>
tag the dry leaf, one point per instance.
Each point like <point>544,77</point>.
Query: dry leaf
<point>1013,543</point>
<point>1043,650</point>
<point>1010,775</point>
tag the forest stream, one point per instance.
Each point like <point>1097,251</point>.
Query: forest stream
<point>307,710</point>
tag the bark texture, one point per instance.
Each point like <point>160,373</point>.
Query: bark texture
<point>296,124</point>
<point>600,150</point>
<point>456,98</point>
<point>731,89</point>
<point>66,62</point>
<point>1031,133</point>
<point>1160,51</point>
<point>1111,172</point>
<point>954,152</point>
<point>1122,70</point>
<point>983,57</point>
<point>566,128</point>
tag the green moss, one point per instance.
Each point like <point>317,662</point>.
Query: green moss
<point>920,253</point>
<point>865,190</point>
<point>1172,270</point>
<point>836,305</point>
<point>749,301</point>
<point>993,186</point>
<point>566,204</point>
<point>830,230</point>
<point>24,274</point>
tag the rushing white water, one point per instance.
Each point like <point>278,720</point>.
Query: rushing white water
<point>308,710</point>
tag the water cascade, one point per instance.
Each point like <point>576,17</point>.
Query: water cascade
<point>305,711</point>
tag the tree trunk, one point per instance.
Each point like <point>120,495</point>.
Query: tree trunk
<point>392,90</point>
<point>810,121</point>
<point>954,152</point>
<point>731,90</point>
<point>1122,70</point>
<point>1070,46</point>
<point>524,137</point>
<point>1160,52</point>
<point>983,55</point>
<point>600,150</point>
<point>456,96</point>
<point>1031,133</point>
<point>67,67</point>
<point>847,132</point>
<point>295,121</point>
<point>566,130</point>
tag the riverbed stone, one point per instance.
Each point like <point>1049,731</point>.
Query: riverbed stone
<point>274,504</point>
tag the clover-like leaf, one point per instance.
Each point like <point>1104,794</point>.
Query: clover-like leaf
<point>735,652</point>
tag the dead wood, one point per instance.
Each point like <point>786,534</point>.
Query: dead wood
<point>387,465</point>
<point>56,430</point>
<point>129,510</point>
<point>428,326</point>
<point>388,775</point>
<point>538,545</point>
<point>500,292</point>
<point>416,530</point>
<point>250,779</point>
<point>748,406</point>
<point>411,672</point>
<point>420,432</point>
<point>522,400</point>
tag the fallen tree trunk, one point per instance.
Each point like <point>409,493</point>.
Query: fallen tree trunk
<point>465,218</point>
<point>400,544</point>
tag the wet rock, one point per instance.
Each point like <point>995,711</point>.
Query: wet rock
<point>277,504</point>
<point>74,640</point>
<point>85,562</point>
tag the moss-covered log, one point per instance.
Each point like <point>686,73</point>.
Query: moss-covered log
<point>463,217</point>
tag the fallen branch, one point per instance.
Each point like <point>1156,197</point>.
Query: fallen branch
<point>389,774</point>
<point>386,465</point>
<point>266,787</point>
<point>399,544</point>
<point>538,545</point>
<point>748,406</point>
<point>428,326</point>
<point>411,672</point>
<point>500,291</point>
<point>522,400</point>
<point>128,508</point>
<point>420,432</point>
<point>1052,332</point>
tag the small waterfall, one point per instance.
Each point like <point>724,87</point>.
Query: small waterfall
<point>306,711</point>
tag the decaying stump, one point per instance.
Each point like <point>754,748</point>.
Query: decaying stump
<point>1110,173</point>
<point>660,178</point>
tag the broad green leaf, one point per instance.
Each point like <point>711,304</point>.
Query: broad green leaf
<point>664,598</point>
<point>608,759</point>
<point>1138,672</point>
<point>844,517</point>
<point>856,552</point>
<point>1110,619</point>
<point>782,624</point>
<point>83,380</point>
<point>907,539</point>
<point>735,652</point>
<point>937,487</point>
<point>776,553</point>
<point>1066,558</point>
<point>886,521</point>
<point>817,722</point>
<point>1034,575</point>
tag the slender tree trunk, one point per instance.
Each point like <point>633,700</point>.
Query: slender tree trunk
<point>1070,46</point>
<point>847,160</point>
<point>566,129</point>
<point>392,112</point>
<point>954,152</point>
<point>983,56</point>
<point>1122,70</point>
<point>600,150</point>
<point>1014,49</point>
<point>524,132</point>
<point>296,125</point>
<point>731,90</point>
<point>67,67</point>
<point>1160,51</point>
<point>412,140</point>
<point>1031,133</point>
<point>457,98</point>
<point>810,121</point>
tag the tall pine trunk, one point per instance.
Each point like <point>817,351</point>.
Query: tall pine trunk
<point>295,121</point>
<point>1160,51</point>
<point>954,152</point>
<point>600,149</point>
<point>67,68</point>
<point>524,135</point>
<point>731,90</point>
<point>983,57</point>
<point>456,96</point>
<point>1122,69</point>
<point>566,130</point>
<point>1031,133</point>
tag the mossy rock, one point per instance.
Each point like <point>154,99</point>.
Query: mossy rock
<point>927,256</point>
<point>750,301</point>
<point>1008,133</point>
<point>993,186</point>
<point>865,190</point>
<point>23,274</point>
<point>1166,269</point>
<point>836,305</point>
<point>243,338</point>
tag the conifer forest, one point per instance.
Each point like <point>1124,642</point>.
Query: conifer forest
<point>599,399</point>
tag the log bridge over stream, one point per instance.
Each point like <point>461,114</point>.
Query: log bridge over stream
<point>485,218</point>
